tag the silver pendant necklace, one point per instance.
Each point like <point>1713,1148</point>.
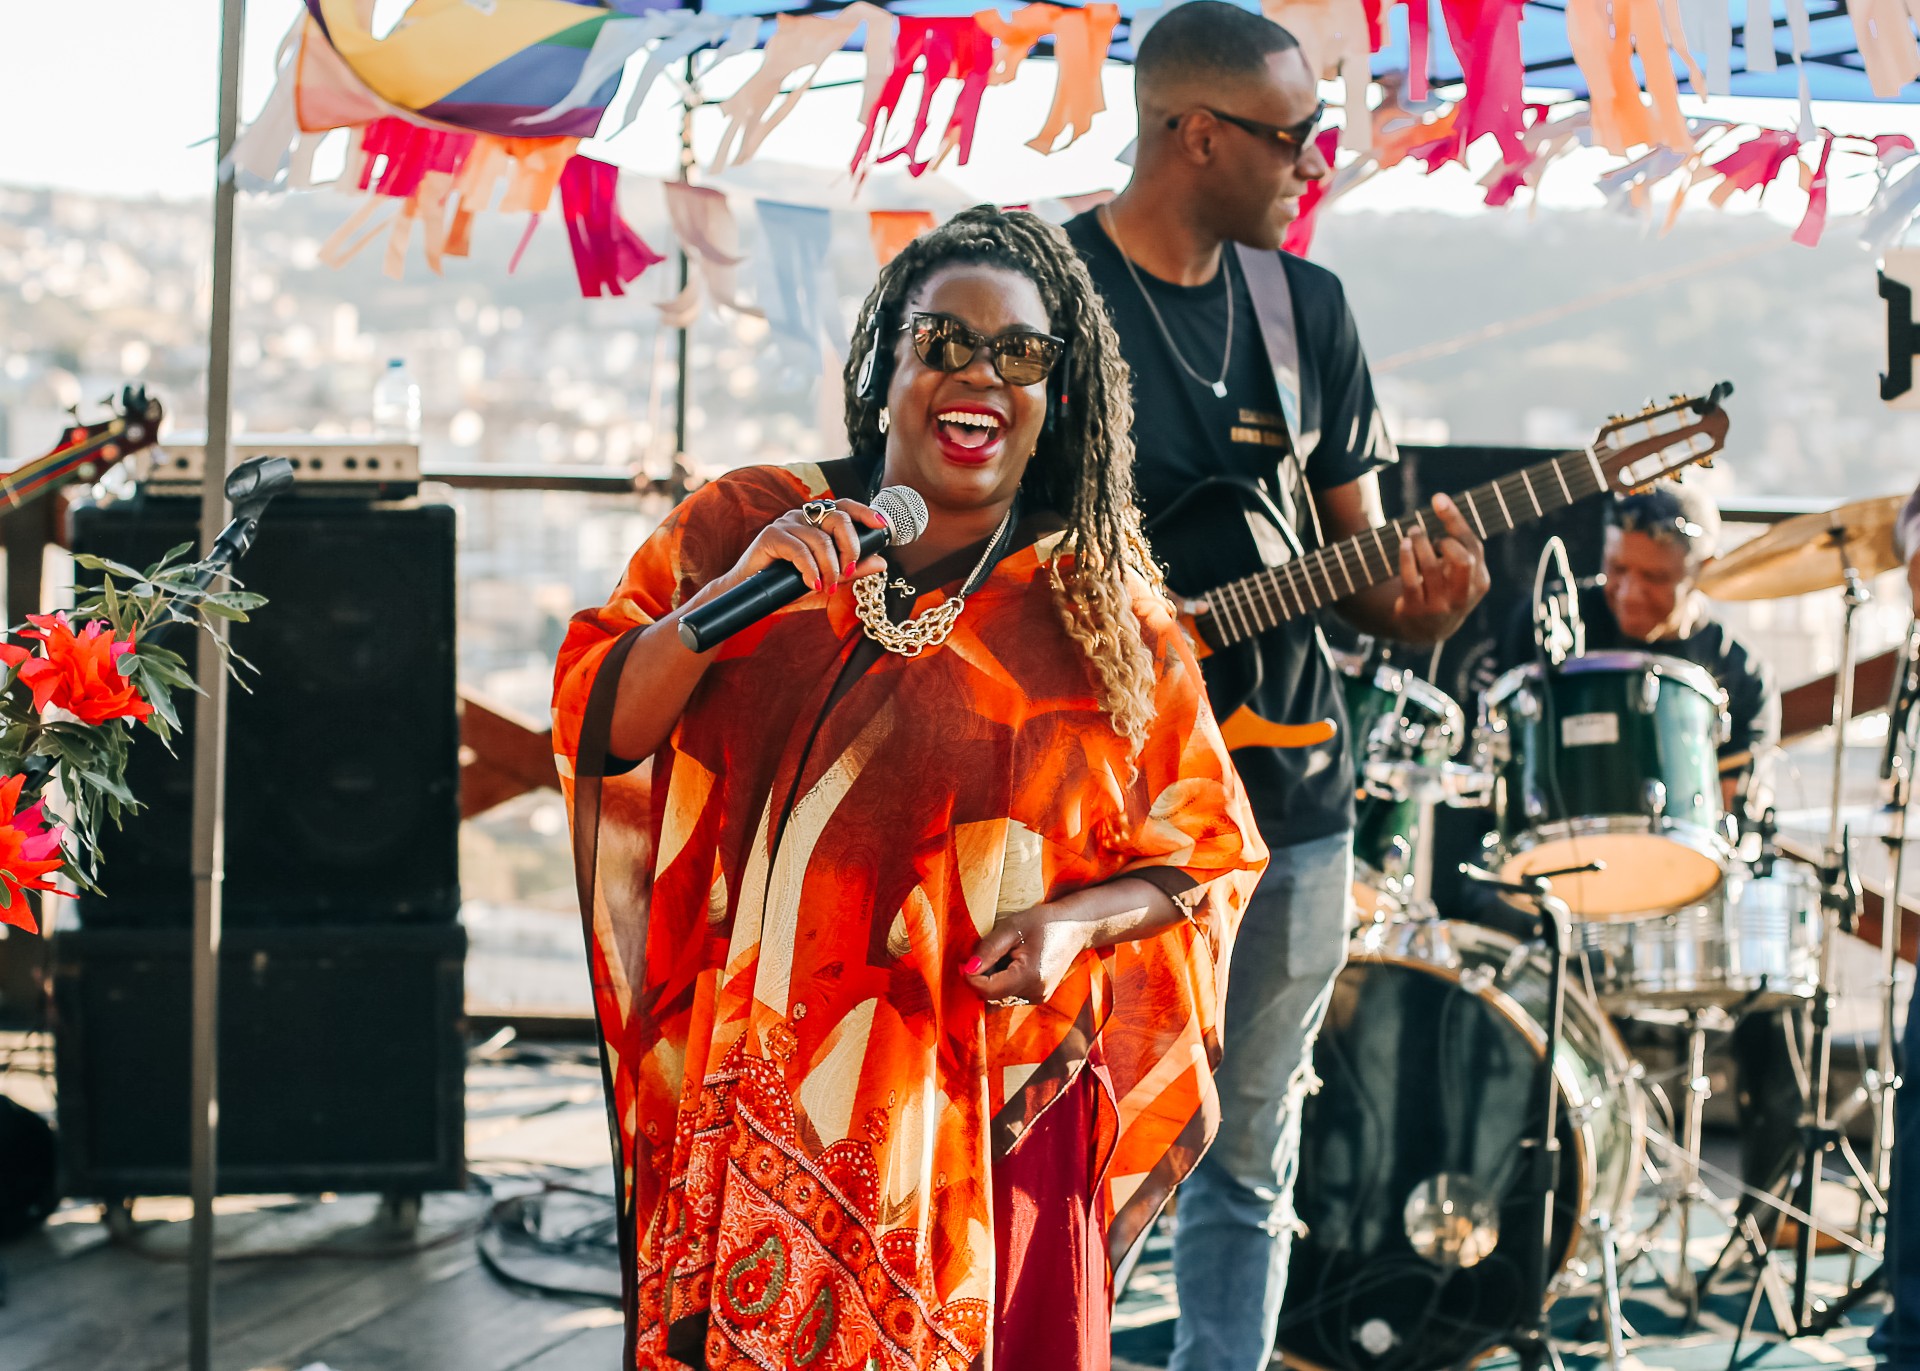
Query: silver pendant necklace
<point>1219,387</point>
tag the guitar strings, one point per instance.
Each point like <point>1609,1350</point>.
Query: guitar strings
<point>1246,605</point>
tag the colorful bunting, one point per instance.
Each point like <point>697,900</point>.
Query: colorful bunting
<point>801,307</point>
<point>799,42</point>
<point>607,253</point>
<point>482,67</point>
<point>892,229</point>
<point>951,49</point>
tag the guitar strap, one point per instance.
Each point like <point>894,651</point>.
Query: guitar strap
<point>1266,276</point>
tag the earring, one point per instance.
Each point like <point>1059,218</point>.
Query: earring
<point>885,420</point>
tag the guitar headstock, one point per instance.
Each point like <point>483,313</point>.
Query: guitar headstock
<point>133,423</point>
<point>1636,449</point>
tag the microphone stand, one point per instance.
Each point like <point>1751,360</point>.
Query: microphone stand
<point>1529,1336</point>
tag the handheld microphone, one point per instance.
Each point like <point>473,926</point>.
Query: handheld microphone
<point>760,594</point>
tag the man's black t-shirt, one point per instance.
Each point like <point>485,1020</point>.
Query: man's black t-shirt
<point>1183,433</point>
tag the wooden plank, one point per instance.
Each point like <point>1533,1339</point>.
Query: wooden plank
<point>1807,708</point>
<point>275,1323</point>
<point>1873,904</point>
<point>468,1322</point>
<point>85,1300</point>
<point>596,1347</point>
<point>503,754</point>
<point>128,1312</point>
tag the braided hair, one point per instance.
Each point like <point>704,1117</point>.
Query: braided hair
<point>1083,466</point>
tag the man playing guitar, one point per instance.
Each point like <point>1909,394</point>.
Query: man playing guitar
<point>1227,106</point>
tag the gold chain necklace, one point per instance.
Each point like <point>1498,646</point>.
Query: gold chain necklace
<point>924,630</point>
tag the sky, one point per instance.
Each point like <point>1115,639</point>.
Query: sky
<point>120,96</point>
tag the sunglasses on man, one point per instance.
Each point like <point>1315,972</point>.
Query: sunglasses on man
<point>1294,136</point>
<point>1022,357</point>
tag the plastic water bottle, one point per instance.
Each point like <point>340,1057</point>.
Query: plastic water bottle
<point>396,403</point>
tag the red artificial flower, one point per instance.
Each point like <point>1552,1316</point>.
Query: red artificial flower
<point>80,673</point>
<point>29,852</point>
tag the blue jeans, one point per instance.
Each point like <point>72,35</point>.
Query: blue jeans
<point>1234,1219</point>
<point>1897,1341</point>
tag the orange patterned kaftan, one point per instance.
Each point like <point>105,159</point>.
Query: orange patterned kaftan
<point>806,1096</point>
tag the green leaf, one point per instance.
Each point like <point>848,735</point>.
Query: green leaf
<point>220,610</point>
<point>237,599</point>
<point>93,563</point>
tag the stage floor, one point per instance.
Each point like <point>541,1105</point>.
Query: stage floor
<point>327,1281</point>
<point>312,1283</point>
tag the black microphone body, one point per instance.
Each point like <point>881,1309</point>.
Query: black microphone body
<point>753,599</point>
<point>762,593</point>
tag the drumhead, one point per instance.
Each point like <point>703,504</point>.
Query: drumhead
<point>1646,869</point>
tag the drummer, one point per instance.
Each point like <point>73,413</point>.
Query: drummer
<point>1646,600</point>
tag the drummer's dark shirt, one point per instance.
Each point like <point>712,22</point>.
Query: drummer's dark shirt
<point>1183,434</point>
<point>1753,698</point>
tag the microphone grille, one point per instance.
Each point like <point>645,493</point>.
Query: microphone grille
<point>905,511</point>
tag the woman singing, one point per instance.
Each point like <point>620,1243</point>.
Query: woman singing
<point>908,960</point>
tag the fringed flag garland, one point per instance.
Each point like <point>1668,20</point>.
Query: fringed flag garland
<point>607,253</point>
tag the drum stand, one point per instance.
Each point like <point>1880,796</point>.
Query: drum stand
<point>1880,1083</point>
<point>1529,1337</point>
<point>1839,901</point>
<point>1687,1191</point>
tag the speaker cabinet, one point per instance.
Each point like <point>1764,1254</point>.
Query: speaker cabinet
<point>343,793</point>
<point>341,1060</point>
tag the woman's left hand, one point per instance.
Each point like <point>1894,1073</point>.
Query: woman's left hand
<point>1037,945</point>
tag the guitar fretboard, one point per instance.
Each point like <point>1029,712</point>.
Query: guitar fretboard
<point>1254,604</point>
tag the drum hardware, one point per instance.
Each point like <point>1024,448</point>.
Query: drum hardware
<point>1529,1337</point>
<point>1896,775</point>
<point>1840,903</point>
<point>1405,731</point>
<point>1437,1029</point>
<point>1879,1083</point>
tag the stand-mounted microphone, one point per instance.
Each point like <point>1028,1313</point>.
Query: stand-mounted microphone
<point>765,591</point>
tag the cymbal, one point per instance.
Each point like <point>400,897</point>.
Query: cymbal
<point>1803,554</point>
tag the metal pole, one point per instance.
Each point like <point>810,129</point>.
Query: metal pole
<point>683,350</point>
<point>210,733</point>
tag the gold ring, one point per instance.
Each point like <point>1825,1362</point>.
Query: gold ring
<point>1007,1001</point>
<point>815,512</point>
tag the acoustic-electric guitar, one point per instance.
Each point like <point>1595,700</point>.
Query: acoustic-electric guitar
<point>1239,570</point>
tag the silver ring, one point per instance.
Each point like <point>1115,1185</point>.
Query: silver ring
<point>815,512</point>
<point>1007,1001</point>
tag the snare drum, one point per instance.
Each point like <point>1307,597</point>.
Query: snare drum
<point>1392,715</point>
<point>1611,758</point>
<point>1755,944</point>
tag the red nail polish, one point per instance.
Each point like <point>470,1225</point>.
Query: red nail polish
<point>970,967</point>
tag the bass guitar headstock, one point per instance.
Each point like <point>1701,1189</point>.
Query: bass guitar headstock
<point>86,450</point>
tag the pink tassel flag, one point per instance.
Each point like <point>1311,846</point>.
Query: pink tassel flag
<point>607,253</point>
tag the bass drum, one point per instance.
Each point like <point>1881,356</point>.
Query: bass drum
<point>1410,1182</point>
